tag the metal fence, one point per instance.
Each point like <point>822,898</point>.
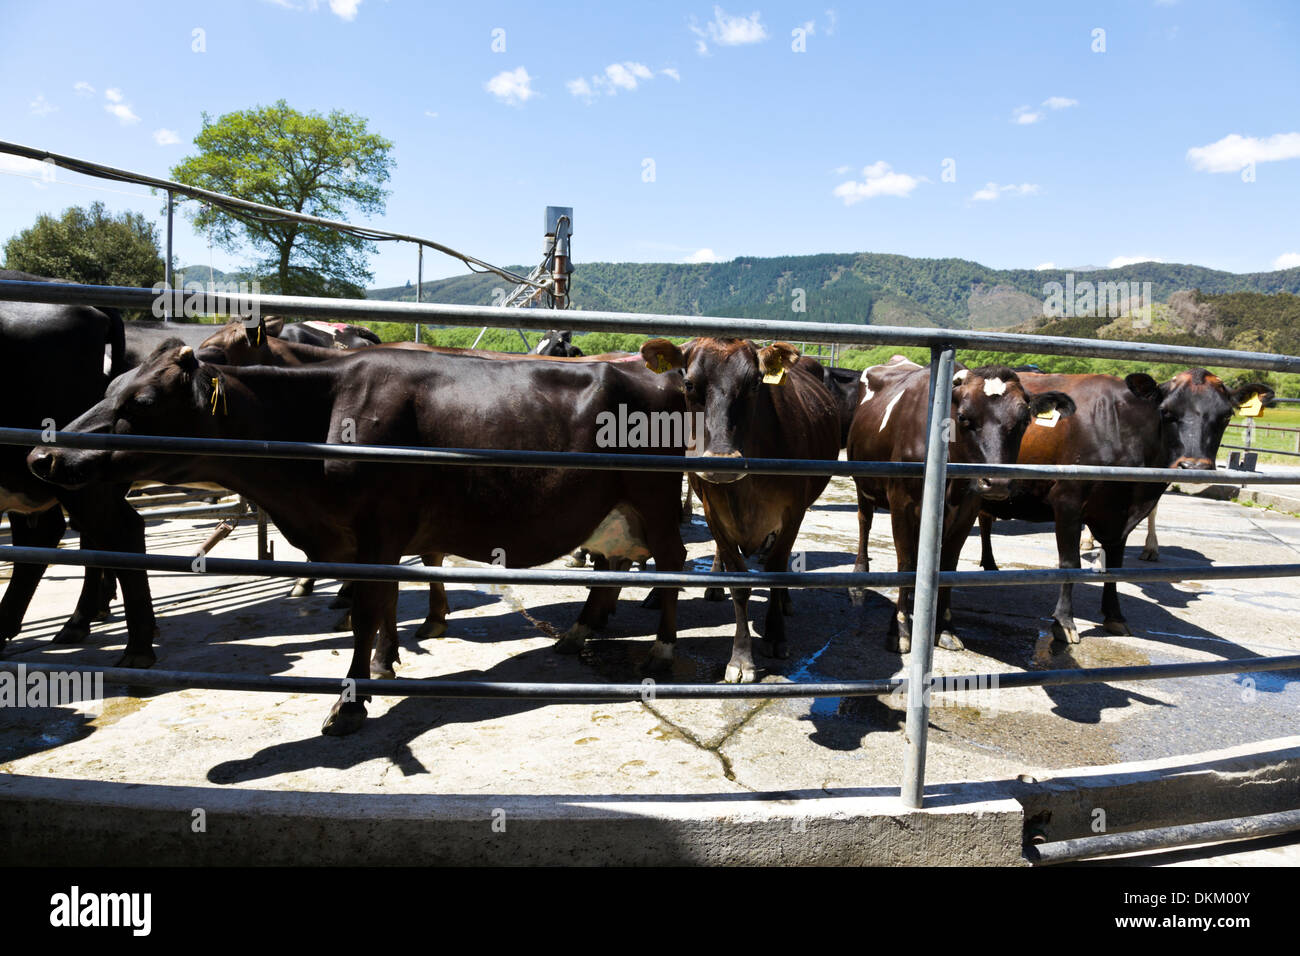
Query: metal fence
<point>935,471</point>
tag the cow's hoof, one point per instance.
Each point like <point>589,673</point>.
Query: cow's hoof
<point>303,587</point>
<point>740,672</point>
<point>382,671</point>
<point>72,632</point>
<point>9,630</point>
<point>431,628</point>
<point>899,643</point>
<point>341,600</point>
<point>991,566</point>
<point>139,660</point>
<point>576,560</point>
<point>344,623</point>
<point>344,719</point>
<point>714,594</point>
<point>1149,554</point>
<point>574,639</point>
<point>857,596</point>
<point>660,660</point>
<point>1067,635</point>
<point>1117,626</point>
<point>949,641</point>
<point>103,614</point>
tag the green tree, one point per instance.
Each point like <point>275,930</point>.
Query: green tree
<point>329,166</point>
<point>89,245</point>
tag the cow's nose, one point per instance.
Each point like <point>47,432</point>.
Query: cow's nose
<point>995,489</point>
<point>1196,463</point>
<point>41,463</point>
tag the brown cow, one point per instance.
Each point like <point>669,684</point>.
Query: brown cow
<point>1131,422</point>
<point>755,403</point>
<point>376,513</point>
<point>990,410</point>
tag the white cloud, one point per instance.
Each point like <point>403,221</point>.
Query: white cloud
<point>703,255</point>
<point>841,170</point>
<point>119,108</point>
<point>41,106</point>
<point>82,88</point>
<point>1059,102</point>
<point>617,76</point>
<point>40,173</point>
<point>1234,151</point>
<point>513,87</point>
<point>726,30</point>
<point>113,95</point>
<point>1130,260</point>
<point>992,191</point>
<point>810,28</point>
<point>165,137</point>
<point>1287,260</point>
<point>1023,115</point>
<point>832,21</point>
<point>345,9</point>
<point>1045,265</point>
<point>431,114</point>
<point>878,179</point>
<point>672,73</point>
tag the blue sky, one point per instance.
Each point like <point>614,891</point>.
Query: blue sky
<point>1059,152</point>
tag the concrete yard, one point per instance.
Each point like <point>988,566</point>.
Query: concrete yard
<point>777,781</point>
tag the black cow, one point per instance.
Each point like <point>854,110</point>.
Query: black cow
<point>330,335</point>
<point>376,513</point>
<point>558,344</point>
<point>1130,422</point>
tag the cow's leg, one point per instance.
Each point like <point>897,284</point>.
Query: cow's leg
<point>1112,617</point>
<point>715,594</point>
<point>578,559</point>
<point>1068,528</point>
<point>740,669</point>
<point>866,512</point>
<point>371,601</point>
<point>986,542</point>
<point>686,505</point>
<point>945,637</point>
<point>107,521</point>
<point>107,593</point>
<point>594,615</point>
<point>435,625</point>
<point>1151,548</point>
<point>42,530</point>
<point>343,599</point>
<point>665,543</point>
<point>899,636</point>
<point>774,639</point>
<point>384,661</point>
<point>302,587</point>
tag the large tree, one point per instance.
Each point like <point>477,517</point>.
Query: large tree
<point>89,245</point>
<point>329,166</point>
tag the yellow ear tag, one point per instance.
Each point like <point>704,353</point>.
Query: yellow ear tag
<point>660,365</point>
<point>775,378</point>
<point>1252,408</point>
<point>1048,419</point>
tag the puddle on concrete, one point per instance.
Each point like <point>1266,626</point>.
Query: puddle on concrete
<point>115,709</point>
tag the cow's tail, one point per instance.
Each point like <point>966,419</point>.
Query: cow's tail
<point>116,342</point>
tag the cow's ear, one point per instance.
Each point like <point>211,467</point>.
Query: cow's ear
<point>1044,403</point>
<point>1143,386</point>
<point>662,356</point>
<point>187,360</point>
<point>1240,396</point>
<point>256,333</point>
<point>775,360</point>
<point>959,376</point>
<point>274,325</point>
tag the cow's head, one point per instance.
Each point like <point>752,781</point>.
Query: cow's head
<point>991,409</point>
<point>722,379</point>
<point>557,343</point>
<point>238,344</point>
<point>1195,406</point>
<point>171,393</point>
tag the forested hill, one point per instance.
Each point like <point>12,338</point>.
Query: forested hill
<point>845,287</point>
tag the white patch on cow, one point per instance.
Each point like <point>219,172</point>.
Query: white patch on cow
<point>866,390</point>
<point>620,535</point>
<point>661,651</point>
<point>889,409</point>
<point>960,376</point>
<point>994,386</point>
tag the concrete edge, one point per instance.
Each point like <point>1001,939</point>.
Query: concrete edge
<point>1247,780</point>
<point>46,822</point>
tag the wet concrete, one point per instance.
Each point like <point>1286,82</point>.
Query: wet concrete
<point>484,750</point>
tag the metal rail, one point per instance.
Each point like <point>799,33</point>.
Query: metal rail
<point>928,579</point>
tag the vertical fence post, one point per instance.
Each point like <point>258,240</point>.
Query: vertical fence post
<point>419,284</point>
<point>167,266</point>
<point>926,595</point>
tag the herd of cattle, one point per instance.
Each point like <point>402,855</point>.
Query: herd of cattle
<point>89,371</point>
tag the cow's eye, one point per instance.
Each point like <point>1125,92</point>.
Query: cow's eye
<point>965,422</point>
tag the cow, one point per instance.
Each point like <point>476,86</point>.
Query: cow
<point>54,366</point>
<point>352,511</point>
<point>754,402</point>
<point>991,408</point>
<point>1131,422</point>
<point>330,335</point>
<point>559,344</point>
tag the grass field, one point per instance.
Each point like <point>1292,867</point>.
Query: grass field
<point>1285,416</point>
